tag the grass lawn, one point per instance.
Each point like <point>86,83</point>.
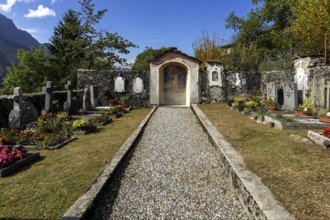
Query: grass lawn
<point>297,173</point>
<point>47,188</point>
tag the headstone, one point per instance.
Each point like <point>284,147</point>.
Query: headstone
<point>119,84</point>
<point>272,91</point>
<point>94,96</point>
<point>23,113</point>
<point>290,95</point>
<point>48,90</point>
<point>138,85</point>
<point>86,99</point>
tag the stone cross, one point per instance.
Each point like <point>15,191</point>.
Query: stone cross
<point>18,98</point>
<point>69,89</point>
<point>48,90</point>
<point>94,96</point>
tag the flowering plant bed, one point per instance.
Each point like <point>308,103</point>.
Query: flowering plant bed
<point>12,158</point>
<point>325,119</point>
<point>302,114</point>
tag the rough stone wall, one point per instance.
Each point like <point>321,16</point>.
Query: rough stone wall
<point>233,84</point>
<point>105,80</point>
<point>277,76</point>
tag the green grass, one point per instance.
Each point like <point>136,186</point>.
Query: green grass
<point>297,173</point>
<point>47,188</point>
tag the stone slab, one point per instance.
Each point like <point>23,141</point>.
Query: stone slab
<point>83,205</point>
<point>255,197</point>
<point>319,139</point>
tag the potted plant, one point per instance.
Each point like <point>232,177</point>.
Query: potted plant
<point>305,109</point>
<point>271,104</point>
<point>324,115</point>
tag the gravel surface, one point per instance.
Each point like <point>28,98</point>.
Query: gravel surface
<point>172,173</point>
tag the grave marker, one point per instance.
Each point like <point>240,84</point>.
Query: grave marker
<point>86,99</point>
<point>138,85</point>
<point>68,102</point>
<point>290,91</point>
<point>48,90</point>
<point>272,91</point>
<point>119,84</point>
<point>94,96</point>
<point>23,113</point>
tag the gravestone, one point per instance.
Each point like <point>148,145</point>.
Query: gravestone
<point>272,90</point>
<point>67,104</point>
<point>119,84</point>
<point>23,113</point>
<point>48,90</point>
<point>138,85</point>
<point>94,96</point>
<point>86,99</point>
<point>290,95</point>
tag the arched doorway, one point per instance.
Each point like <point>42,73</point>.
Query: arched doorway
<point>174,84</point>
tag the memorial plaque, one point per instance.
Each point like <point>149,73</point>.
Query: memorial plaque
<point>138,85</point>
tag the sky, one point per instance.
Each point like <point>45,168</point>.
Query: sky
<point>153,23</point>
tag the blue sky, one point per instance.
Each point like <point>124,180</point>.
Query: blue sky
<point>154,23</point>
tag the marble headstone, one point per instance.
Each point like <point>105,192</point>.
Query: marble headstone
<point>290,93</point>
<point>138,85</point>
<point>272,91</point>
<point>119,84</point>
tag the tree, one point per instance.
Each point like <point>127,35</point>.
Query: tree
<point>311,23</point>
<point>142,60</point>
<point>265,32</point>
<point>208,47</point>
<point>77,43</point>
<point>67,45</point>
<point>30,72</point>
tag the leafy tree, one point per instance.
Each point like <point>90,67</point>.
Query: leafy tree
<point>208,47</point>
<point>311,23</point>
<point>77,43</point>
<point>142,60</point>
<point>30,72</point>
<point>265,33</point>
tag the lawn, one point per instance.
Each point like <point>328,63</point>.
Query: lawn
<point>297,173</point>
<point>47,188</point>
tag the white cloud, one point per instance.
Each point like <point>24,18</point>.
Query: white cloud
<point>32,30</point>
<point>40,12</point>
<point>6,7</point>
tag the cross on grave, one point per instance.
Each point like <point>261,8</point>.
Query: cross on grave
<point>48,90</point>
<point>94,96</point>
<point>69,89</point>
<point>18,98</point>
<point>68,102</point>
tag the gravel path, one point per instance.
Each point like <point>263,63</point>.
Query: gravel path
<point>173,173</point>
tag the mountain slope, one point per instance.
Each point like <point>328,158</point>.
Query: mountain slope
<point>12,39</point>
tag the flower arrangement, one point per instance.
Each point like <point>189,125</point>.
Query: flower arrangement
<point>125,105</point>
<point>250,105</point>
<point>271,103</point>
<point>80,123</point>
<point>9,155</point>
<point>112,102</point>
<point>326,132</point>
<point>99,119</point>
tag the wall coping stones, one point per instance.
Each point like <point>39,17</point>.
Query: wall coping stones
<point>84,204</point>
<point>255,197</point>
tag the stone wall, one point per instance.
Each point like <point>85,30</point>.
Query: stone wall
<point>277,76</point>
<point>233,84</point>
<point>105,80</point>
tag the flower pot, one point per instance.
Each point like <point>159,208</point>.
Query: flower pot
<point>324,119</point>
<point>302,114</point>
<point>272,109</point>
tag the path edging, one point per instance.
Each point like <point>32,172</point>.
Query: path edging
<point>85,202</point>
<point>255,197</point>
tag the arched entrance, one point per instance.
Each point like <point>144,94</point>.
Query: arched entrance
<point>173,81</point>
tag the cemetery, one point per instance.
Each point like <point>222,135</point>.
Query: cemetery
<point>94,114</point>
